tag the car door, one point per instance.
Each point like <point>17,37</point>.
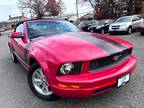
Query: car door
<point>136,22</point>
<point>140,21</point>
<point>19,43</point>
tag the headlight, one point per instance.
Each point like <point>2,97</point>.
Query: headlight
<point>89,28</point>
<point>70,68</point>
<point>124,25</point>
<point>66,68</point>
<point>110,27</point>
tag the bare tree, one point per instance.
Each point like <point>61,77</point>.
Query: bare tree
<point>62,7</point>
<point>40,8</point>
<point>115,8</point>
<point>138,5</point>
<point>55,8</point>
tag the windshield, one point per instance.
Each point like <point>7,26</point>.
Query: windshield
<point>100,22</point>
<point>86,23</point>
<point>40,28</point>
<point>124,19</point>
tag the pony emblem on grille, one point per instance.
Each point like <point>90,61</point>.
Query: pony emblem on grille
<point>116,58</point>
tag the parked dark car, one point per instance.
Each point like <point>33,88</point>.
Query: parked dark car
<point>85,25</point>
<point>141,29</point>
<point>101,26</point>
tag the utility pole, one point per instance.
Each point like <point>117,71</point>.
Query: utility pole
<point>77,9</point>
<point>31,14</point>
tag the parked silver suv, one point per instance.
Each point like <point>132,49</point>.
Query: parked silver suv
<point>126,24</point>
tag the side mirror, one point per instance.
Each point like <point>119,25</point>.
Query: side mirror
<point>16,35</point>
<point>134,20</point>
<point>106,24</point>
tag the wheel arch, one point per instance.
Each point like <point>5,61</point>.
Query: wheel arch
<point>130,26</point>
<point>32,60</point>
<point>45,68</point>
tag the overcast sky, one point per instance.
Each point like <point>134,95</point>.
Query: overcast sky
<point>9,7</point>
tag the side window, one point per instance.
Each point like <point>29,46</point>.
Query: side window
<point>19,28</point>
<point>139,17</point>
<point>134,18</point>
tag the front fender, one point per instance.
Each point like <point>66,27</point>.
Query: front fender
<point>47,61</point>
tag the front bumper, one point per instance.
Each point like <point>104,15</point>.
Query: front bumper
<point>121,29</point>
<point>94,83</point>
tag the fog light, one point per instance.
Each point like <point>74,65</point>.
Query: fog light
<point>74,86</point>
<point>62,85</point>
<point>69,86</point>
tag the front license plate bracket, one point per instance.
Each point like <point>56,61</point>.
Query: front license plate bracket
<point>123,80</point>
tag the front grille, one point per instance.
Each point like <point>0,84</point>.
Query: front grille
<point>116,27</point>
<point>110,60</point>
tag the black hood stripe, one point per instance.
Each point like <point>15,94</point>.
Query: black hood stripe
<point>107,47</point>
<point>96,40</point>
<point>120,46</point>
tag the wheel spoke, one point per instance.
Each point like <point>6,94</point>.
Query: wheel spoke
<point>46,88</point>
<point>40,72</point>
<point>38,82</point>
<point>43,87</point>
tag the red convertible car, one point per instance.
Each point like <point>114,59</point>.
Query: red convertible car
<point>62,62</point>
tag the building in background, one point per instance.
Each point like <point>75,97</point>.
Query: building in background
<point>16,19</point>
<point>3,24</point>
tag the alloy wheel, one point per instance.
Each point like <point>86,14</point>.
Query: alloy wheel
<point>130,30</point>
<point>40,83</point>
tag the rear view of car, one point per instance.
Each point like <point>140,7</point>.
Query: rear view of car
<point>126,24</point>
<point>85,24</point>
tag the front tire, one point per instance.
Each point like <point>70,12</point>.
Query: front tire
<point>102,31</point>
<point>13,57</point>
<point>91,31</point>
<point>129,30</point>
<point>39,85</point>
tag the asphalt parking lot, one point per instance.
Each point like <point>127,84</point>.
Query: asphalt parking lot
<point>15,92</point>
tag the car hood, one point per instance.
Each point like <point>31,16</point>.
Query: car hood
<point>95,26</point>
<point>81,46</point>
<point>120,23</point>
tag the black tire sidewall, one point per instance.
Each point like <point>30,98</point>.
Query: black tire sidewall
<point>14,59</point>
<point>102,31</point>
<point>129,29</point>
<point>51,97</point>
